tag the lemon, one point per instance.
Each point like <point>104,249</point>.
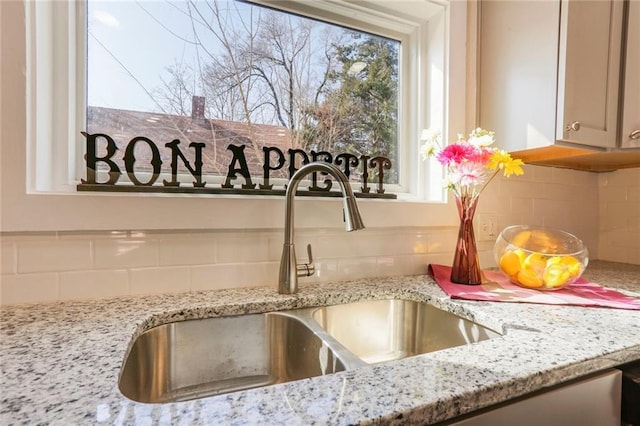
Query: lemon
<point>573,265</point>
<point>536,262</point>
<point>510,263</point>
<point>555,260</point>
<point>529,278</point>
<point>555,275</point>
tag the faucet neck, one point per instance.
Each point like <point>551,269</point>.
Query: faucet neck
<point>289,270</point>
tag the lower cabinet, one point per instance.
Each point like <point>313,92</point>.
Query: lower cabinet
<point>594,400</point>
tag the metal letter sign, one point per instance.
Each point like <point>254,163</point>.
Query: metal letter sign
<point>238,179</point>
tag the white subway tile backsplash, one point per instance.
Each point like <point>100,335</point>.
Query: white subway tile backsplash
<point>159,280</point>
<point>395,265</point>
<point>28,288</point>
<point>402,242</point>
<point>442,241</point>
<point>329,270</point>
<point>126,253</point>
<point>96,284</point>
<point>561,193</point>
<point>542,208</point>
<point>619,216</point>
<point>234,275</point>
<point>8,258</point>
<point>187,251</point>
<point>54,255</point>
<point>538,174</point>
<point>514,187</point>
<point>521,206</point>
<point>614,193</point>
<point>437,258</point>
<point>603,209</point>
<point>350,245</point>
<point>252,248</point>
<point>351,268</point>
<point>621,178</point>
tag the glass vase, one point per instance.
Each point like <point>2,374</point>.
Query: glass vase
<point>466,267</point>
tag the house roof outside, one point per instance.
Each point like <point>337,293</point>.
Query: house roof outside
<point>124,125</point>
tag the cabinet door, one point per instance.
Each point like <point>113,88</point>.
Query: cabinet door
<point>518,67</point>
<point>589,72</point>
<point>630,135</point>
<point>591,401</point>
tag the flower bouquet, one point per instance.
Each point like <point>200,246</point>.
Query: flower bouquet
<point>469,164</point>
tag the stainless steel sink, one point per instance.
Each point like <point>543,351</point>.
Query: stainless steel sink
<point>384,330</point>
<point>198,358</point>
<point>193,359</point>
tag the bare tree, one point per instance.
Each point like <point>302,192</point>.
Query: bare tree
<point>260,66</point>
<point>177,91</point>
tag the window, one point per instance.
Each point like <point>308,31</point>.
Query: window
<point>53,96</point>
<point>231,72</point>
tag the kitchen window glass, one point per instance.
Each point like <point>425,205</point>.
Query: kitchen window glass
<point>228,72</point>
<point>61,101</point>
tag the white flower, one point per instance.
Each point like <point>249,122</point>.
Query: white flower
<point>427,150</point>
<point>449,183</point>
<point>430,135</point>
<point>481,138</point>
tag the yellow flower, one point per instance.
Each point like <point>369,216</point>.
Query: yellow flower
<point>502,160</point>
<point>513,167</point>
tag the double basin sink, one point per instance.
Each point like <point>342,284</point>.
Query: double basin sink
<point>198,358</point>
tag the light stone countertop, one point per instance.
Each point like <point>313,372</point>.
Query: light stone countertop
<point>61,361</point>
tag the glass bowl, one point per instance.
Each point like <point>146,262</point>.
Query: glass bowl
<point>540,258</point>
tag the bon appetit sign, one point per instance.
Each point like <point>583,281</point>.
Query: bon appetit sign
<point>238,180</point>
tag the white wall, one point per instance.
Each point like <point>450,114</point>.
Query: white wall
<point>619,216</point>
<point>76,265</point>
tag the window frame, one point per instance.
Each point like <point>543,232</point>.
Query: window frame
<point>41,189</point>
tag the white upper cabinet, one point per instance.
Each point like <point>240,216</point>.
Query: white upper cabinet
<point>589,72</point>
<point>630,134</point>
<point>549,72</point>
<point>518,67</point>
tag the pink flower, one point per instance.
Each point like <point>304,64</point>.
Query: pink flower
<point>467,174</point>
<point>455,153</point>
<point>481,155</point>
<point>467,162</point>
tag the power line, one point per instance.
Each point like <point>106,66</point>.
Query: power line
<point>164,26</point>
<point>124,67</point>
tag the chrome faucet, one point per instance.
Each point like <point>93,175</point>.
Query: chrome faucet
<point>290,270</point>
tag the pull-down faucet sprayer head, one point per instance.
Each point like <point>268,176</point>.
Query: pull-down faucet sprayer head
<point>352,218</point>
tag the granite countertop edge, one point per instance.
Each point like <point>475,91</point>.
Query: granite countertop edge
<point>60,361</point>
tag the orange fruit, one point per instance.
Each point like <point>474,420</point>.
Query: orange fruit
<point>510,263</point>
<point>521,255</point>
<point>529,278</point>
<point>521,238</point>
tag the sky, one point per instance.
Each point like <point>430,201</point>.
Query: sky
<point>130,44</point>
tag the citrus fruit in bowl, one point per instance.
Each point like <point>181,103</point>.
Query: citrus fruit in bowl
<point>540,258</point>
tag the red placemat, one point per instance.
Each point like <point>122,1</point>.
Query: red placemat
<point>498,288</point>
